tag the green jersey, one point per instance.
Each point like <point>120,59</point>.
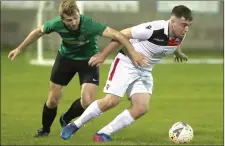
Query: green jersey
<point>78,44</point>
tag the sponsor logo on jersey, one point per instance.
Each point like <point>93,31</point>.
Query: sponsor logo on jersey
<point>149,27</point>
<point>81,38</point>
<point>174,41</point>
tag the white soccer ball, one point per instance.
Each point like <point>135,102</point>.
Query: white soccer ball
<point>181,132</point>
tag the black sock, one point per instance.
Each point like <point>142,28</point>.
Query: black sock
<point>74,111</point>
<point>48,117</point>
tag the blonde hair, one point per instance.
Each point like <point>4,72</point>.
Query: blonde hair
<point>68,7</point>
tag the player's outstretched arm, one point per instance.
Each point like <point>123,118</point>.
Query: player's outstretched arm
<point>33,36</point>
<point>119,38</point>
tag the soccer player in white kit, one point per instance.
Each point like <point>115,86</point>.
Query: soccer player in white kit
<point>155,40</point>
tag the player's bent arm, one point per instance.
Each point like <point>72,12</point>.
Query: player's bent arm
<point>141,31</point>
<point>115,44</point>
<point>127,32</point>
<point>117,39</point>
<point>32,37</point>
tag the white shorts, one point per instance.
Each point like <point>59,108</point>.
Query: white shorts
<point>124,77</point>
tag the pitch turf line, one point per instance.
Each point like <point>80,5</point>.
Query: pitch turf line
<point>190,61</point>
<point>50,62</point>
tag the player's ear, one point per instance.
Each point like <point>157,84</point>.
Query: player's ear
<point>172,19</point>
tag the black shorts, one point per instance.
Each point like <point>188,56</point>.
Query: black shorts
<point>64,70</point>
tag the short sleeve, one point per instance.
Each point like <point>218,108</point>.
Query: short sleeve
<point>142,31</point>
<point>95,28</point>
<point>49,26</point>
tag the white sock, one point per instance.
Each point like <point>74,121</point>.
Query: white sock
<point>122,120</point>
<point>91,112</point>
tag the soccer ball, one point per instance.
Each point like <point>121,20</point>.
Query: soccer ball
<point>181,132</point>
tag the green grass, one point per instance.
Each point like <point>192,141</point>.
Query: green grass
<point>182,92</point>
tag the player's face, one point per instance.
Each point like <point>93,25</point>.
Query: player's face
<point>73,21</point>
<point>180,26</point>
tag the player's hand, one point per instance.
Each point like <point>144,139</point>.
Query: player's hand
<point>97,60</point>
<point>139,59</point>
<point>180,57</point>
<point>13,54</point>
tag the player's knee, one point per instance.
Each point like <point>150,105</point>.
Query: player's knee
<point>55,87</point>
<point>142,110</point>
<point>55,92</point>
<point>86,100</point>
<point>52,103</point>
<point>88,94</point>
<point>139,110</point>
<point>112,100</point>
<point>54,98</point>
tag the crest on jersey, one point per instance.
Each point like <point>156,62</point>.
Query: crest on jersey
<point>81,38</point>
<point>177,40</point>
<point>149,27</point>
<point>174,41</point>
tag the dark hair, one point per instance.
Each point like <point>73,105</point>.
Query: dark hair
<point>182,11</point>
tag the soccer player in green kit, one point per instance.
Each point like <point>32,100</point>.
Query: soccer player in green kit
<point>79,44</point>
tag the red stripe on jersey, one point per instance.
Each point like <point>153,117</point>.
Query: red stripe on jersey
<point>114,69</point>
<point>174,41</point>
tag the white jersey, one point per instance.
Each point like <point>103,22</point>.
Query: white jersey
<point>151,39</point>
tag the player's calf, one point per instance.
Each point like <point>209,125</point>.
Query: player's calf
<point>137,112</point>
<point>122,120</point>
<point>86,100</point>
<point>50,109</point>
<point>74,111</point>
<point>140,105</point>
<point>54,96</point>
<point>108,102</point>
<point>88,94</point>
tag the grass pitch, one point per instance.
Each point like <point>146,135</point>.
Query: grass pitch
<point>182,92</point>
